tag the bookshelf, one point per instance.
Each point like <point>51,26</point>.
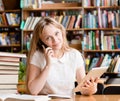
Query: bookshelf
<point>54,10</point>
<point>10,33</point>
<point>96,34</point>
<point>102,29</point>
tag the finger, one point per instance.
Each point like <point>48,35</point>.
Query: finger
<point>50,53</point>
<point>87,83</point>
<point>43,47</point>
<point>46,49</point>
<point>92,80</point>
<point>96,79</point>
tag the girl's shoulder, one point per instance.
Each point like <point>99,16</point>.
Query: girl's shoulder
<point>73,52</point>
<point>39,54</point>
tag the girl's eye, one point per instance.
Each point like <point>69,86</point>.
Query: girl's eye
<point>48,38</point>
<point>57,33</point>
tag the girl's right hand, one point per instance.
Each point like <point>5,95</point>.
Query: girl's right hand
<point>48,52</point>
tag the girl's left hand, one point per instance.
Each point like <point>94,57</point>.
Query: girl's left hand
<point>89,87</point>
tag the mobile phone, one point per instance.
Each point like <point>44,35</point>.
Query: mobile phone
<point>40,43</point>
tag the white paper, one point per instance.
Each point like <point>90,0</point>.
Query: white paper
<point>25,97</point>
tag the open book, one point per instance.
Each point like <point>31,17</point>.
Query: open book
<point>59,96</point>
<point>24,97</point>
<point>94,72</point>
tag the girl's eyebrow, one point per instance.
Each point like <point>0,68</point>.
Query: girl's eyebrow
<point>57,31</point>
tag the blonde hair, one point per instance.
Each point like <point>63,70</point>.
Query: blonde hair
<point>44,21</point>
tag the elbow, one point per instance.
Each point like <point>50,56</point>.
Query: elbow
<point>33,90</point>
<point>34,93</point>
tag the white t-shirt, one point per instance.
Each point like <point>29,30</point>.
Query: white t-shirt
<point>62,73</point>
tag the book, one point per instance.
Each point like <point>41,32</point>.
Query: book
<point>9,72</point>
<point>31,23</point>
<point>12,54</point>
<point>117,66</point>
<point>10,59</point>
<point>2,5</point>
<point>3,15</point>
<point>14,38</point>
<point>35,22</point>
<point>68,20</point>
<point>23,97</point>
<point>8,86</point>
<point>27,22</point>
<point>113,64</point>
<point>106,61</point>
<point>97,42</point>
<point>22,24</point>
<point>94,72</point>
<point>78,21</point>
<point>7,63</point>
<point>59,96</point>
<point>3,67</point>
<point>6,91</point>
<point>8,79</point>
<point>100,61</point>
<point>93,63</point>
<point>99,18</point>
<point>72,21</point>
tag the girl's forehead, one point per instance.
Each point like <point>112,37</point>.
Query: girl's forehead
<point>50,28</point>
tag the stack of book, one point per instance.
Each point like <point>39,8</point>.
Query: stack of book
<point>9,71</point>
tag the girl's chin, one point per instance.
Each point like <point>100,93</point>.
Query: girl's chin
<point>57,48</point>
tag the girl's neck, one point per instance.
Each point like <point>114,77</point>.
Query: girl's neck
<point>58,53</point>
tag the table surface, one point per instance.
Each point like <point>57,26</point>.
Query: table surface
<point>91,98</point>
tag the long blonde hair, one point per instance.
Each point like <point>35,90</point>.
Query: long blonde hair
<point>35,38</point>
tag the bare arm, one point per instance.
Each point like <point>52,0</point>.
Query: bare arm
<point>37,79</point>
<point>80,74</point>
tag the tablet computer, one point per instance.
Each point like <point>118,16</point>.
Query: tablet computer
<point>94,72</point>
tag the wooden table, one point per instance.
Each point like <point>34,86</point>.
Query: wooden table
<point>91,98</point>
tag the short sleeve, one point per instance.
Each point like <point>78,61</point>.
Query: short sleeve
<point>38,59</point>
<point>79,59</point>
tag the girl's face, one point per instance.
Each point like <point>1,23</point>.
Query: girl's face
<point>52,37</point>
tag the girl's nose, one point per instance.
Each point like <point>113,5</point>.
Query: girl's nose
<point>55,39</point>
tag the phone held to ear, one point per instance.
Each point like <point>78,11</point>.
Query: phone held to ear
<point>40,44</point>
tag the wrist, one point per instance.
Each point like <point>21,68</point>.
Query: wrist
<point>47,66</point>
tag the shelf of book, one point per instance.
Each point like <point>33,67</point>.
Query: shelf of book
<point>101,32</point>
<point>99,28</point>
<point>75,29</point>
<point>55,10</point>
<point>10,33</point>
<point>103,29</point>
<point>102,7</point>
<point>102,51</point>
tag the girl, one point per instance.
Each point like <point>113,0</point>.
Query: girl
<point>52,65</point>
